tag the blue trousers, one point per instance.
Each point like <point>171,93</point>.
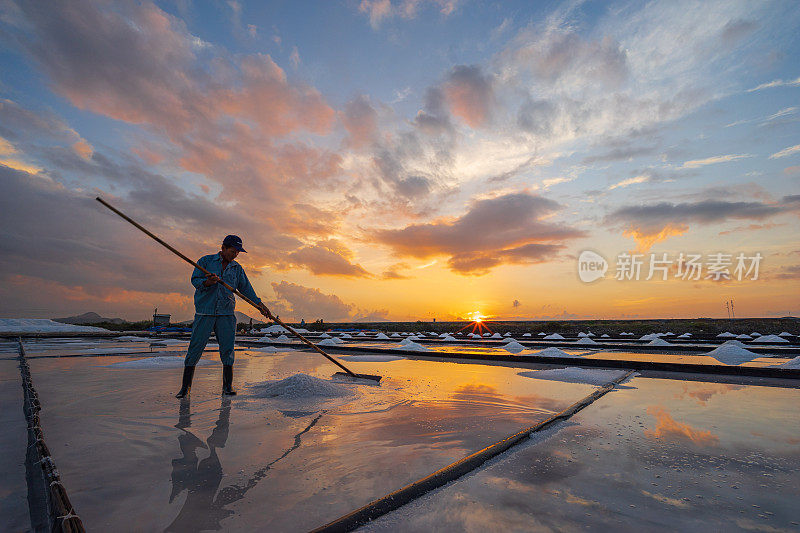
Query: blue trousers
<point>223,326</point>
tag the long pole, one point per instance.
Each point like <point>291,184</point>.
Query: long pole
<point>233,290</point>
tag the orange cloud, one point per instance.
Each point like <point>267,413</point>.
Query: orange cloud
<point>646,239</point>
<point>83,149</point>
<point>667,427</point>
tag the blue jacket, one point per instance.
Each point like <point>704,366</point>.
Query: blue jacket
<point>216,299</point>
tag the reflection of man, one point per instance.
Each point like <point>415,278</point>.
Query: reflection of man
<point>200,479</point>
<point>214,305</point>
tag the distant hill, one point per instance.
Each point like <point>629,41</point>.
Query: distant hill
<point>88,318</point>
<point>241,317</point>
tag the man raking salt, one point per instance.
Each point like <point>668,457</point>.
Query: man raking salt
<point>214,310</point>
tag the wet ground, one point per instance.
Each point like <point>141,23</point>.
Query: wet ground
<point>656,453</point>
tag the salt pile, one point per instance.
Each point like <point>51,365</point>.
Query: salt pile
<point>744,336</point>
<point>658,342</point>
<point>487,334</point>
<point>265,349</point>
<point>329,342</point>
<point>587,376</point>
<point>604,336</point>
<point>345,336</point>
<point>526,334</point>
<point>793,363</point>
<point>554,337</point>
<point>282,338</point>
<point>395,335</point>
<point>554,352</point>
<point>414,346</point>
<point>542,334</point>
<point>408,340</point>
<point>324,336</point>
<point>685,336</point>
<point>727,334</point>
<point>496,336</point>
<point>42,325</point>
<point>785,334</point>
<point>300,386</point>
<point>730,353</point>
<point>582,334</point>
<point>585,340</point>
<point>755,334</point>
<point>132,338</point>
<point>507,335</point>
<point>649,337</point>
<point>362,334</point>
<point>274,329</point>
<point>513,347</point>
<point>381,337</point>
<point>449,338</point>
<point>628,334</point>
<point>769,339</point>
<point>668,334</point>
<point>156,362</point>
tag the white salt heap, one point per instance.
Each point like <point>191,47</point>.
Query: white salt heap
<point>649,337</point>
<point>362,334</point>
<point>585,340</point>
<point>552,351</point>
<point>542,334</point>
<point>395,335</point>
<point>329,342</point>
<point>785,334</point>
<point>668,334</point>
<point>324,336</point>
<point>554,337</point>
<point>582,334</point>
<point>604,336</point>
<point>449,338</point>
<point>132,338</point>
<point>413,346</point>
<point>381,337</point>
<point>793,363</point>
<point>732,353</point>
<point>345,336</point>
<point>744,336</point>
<point>526,334</point>
<point>507,335</point>
<point>300,386</point>
<point>685,336</point>
<point>408,340</point>
<point>770,339</point>
<point>513,347</point>
<point>727,334</point>
<point>42,325</point>
<point>658,342</point>
<point>496,336</point>
<point>283,338</point>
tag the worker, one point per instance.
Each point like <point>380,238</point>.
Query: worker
<point>214,310</point>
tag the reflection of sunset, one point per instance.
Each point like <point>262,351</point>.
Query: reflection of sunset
<point>667,427</point>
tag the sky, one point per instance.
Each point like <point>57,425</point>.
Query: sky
<point>403,159</point>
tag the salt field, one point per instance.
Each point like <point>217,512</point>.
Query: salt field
<point>298,448</point>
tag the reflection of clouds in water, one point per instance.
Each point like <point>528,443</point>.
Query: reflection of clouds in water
<point>668,427</point>
<point>703,392</point>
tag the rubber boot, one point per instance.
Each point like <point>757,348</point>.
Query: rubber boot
<point>188,374</point>
<point>227,380</point>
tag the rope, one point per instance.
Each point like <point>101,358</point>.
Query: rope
<point>62,514</point>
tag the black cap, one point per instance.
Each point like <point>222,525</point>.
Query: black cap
<point>234,241</point>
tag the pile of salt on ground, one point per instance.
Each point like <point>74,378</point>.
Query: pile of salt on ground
<point>329,342</point>
<point>587,376</point>
<point>526,334</point>
<point>585,340</point>
<point>299,386</point>
<point>785,334</point>
<point>727,334</point>
<point>42,325</point>
<point>554,352</point>
<point>732,353</point>
<point>158,361</point>
<point>132,338</point>
<point>413,346</point>
<point>449,338</point>
<point>496,336</point>
<point>381,337</point>
<point>658,342</point>
<point>793,363</point>
<point>513,347</point>
<point>554,337</point>
<point>769,339</point>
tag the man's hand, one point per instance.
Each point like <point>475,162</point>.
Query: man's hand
<point>211,279</point>
<point>265,311</point>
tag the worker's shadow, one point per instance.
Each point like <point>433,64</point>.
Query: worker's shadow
<point>200,478</point>
<point>205,504</point>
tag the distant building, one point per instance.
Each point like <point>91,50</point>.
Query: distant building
<point>160,319</point>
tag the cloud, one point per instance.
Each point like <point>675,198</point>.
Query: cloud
<point>469,94</point>
<point>776,83</point>
<point>652,223</point>
<point>361,121</point>
<point>327,258</point>
<point>696,163</point>
<point>786,152</point>
<point>304,302</point>
<point>379,11</point>
<point>393,272</point>
<point>630,181</point>
<point>667,428</point>
<point>497,230</point>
